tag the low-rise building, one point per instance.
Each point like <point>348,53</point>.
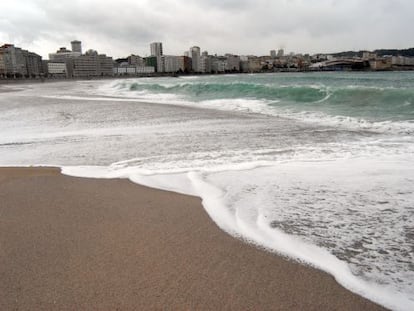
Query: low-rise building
<point>145,70</point>
<point>233,63</point>
<point>56,70</point>
<point>219,64</point>
<point>13,61</point>
<point>160,63</point>
<point>151,61</point>
<point>402,61</point>
<point>2,64</point>
<point>131,70</point>
<point>83,66</point>
<point>205,65</point>
<point>34,64</point>
<point>91,64</point>
<point>63,54</point>
<point>366,55</point>
<point>254,64</point>
<point>16,62</point>
<point>135,60</point>
<point>172,64</point>
<point>383,63</point>
<point>105,65</point>
<point>185,63</point>
<point>125,70</point>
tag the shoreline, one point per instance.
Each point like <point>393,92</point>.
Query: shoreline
<point>76,243</point>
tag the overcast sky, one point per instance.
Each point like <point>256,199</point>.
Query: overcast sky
<point>123,27</point>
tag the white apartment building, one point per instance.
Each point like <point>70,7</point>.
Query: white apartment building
<point>172,64</point>
<point>233,62</point>
<point>156,49</point>
<point>145,69</point>
<point>133,70</point>
<point>402,61</point>
<point>195,56</point>
<point>205,64</point>
<point>219,64</point>
<point>56,69</point>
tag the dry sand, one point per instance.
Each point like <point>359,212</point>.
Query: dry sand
<point>85,244</point>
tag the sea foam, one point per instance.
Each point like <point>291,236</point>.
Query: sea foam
<point>252,224</point>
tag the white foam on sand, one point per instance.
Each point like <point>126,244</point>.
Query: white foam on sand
<point>252,224</point>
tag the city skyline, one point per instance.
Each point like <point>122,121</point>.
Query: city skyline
<point>239,27</point>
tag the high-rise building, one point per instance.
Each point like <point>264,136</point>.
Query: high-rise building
<point>280,53</point>
<point>76,46</point>
<point>156,49</point>
<point>195,57</point>
<point>273,53</point>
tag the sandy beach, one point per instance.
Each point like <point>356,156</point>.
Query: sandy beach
<point>86,244</point>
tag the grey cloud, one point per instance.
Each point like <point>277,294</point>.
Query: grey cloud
<point>228,4</point>
<point>239,26</point>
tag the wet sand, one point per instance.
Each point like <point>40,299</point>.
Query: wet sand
<point>86,244</point>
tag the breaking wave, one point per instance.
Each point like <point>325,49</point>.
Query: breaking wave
<point>384,109</point>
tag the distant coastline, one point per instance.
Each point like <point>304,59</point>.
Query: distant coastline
<point>23,80</point>
<point>17,64</point>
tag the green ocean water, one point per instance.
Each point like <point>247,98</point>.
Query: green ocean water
<point>382,96</point>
